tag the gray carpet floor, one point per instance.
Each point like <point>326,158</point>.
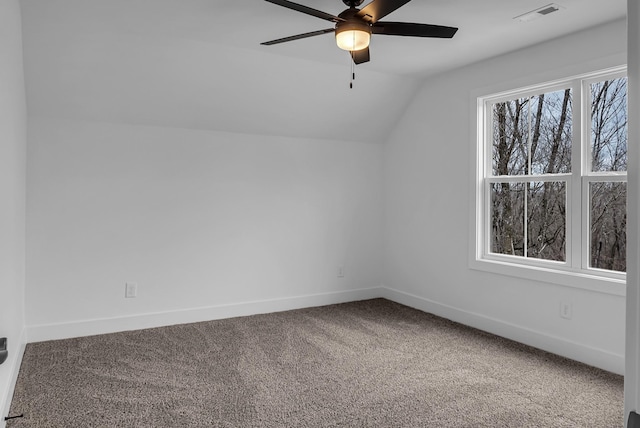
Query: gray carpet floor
<point>364,364</point>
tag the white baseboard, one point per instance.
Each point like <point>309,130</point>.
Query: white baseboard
<point>16,361</point>
<point>575,351</point>
<point>40,333</point>
<point>592,356</point>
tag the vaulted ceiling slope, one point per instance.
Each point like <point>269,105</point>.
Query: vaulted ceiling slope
<point>199,63</point>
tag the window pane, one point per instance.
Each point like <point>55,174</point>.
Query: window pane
<point>609,125</point>
<point>510,137</point>
<point>546,220</point>
<point>608,218</point>
<point>551,132</point>
<point>507,218</point>
<point>532,135</point>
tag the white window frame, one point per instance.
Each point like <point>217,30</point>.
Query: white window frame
<point>575,270</point>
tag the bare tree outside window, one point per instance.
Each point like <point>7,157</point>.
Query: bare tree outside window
<point>609,125</point>
<point>608,207</point>
<point>608,226</point>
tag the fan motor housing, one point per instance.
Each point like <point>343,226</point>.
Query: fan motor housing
<point>353,24</point>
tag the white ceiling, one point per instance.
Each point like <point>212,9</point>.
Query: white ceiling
<point>199,63</point>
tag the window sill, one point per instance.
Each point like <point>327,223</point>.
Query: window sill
<point>580,280</point>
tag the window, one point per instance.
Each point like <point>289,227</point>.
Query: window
<point>551,183</point>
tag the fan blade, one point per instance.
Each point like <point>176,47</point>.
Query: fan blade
<point>307,10</point>
<point>360,56</point>
<point>378,9</point>
<point>299,36</point>
<point>414,30</point>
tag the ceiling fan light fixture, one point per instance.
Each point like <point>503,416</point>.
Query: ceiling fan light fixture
<point>353,27</point>
<point>353,35</point>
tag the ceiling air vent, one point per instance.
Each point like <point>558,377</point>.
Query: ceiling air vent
<point>544,10</point>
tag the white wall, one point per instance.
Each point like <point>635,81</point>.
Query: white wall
<point>13,123</point>
<point>202,221</point>
<point>427,186</point>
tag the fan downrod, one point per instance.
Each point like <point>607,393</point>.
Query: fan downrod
<point>353,3</point>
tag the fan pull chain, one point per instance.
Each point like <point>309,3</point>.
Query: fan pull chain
<point>353,70</point>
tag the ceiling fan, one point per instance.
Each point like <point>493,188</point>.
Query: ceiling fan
<point>353,26</point>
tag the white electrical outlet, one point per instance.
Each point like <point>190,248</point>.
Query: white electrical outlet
<point>566,311</point>
<point>340,271</point>
<point>131,290</point>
